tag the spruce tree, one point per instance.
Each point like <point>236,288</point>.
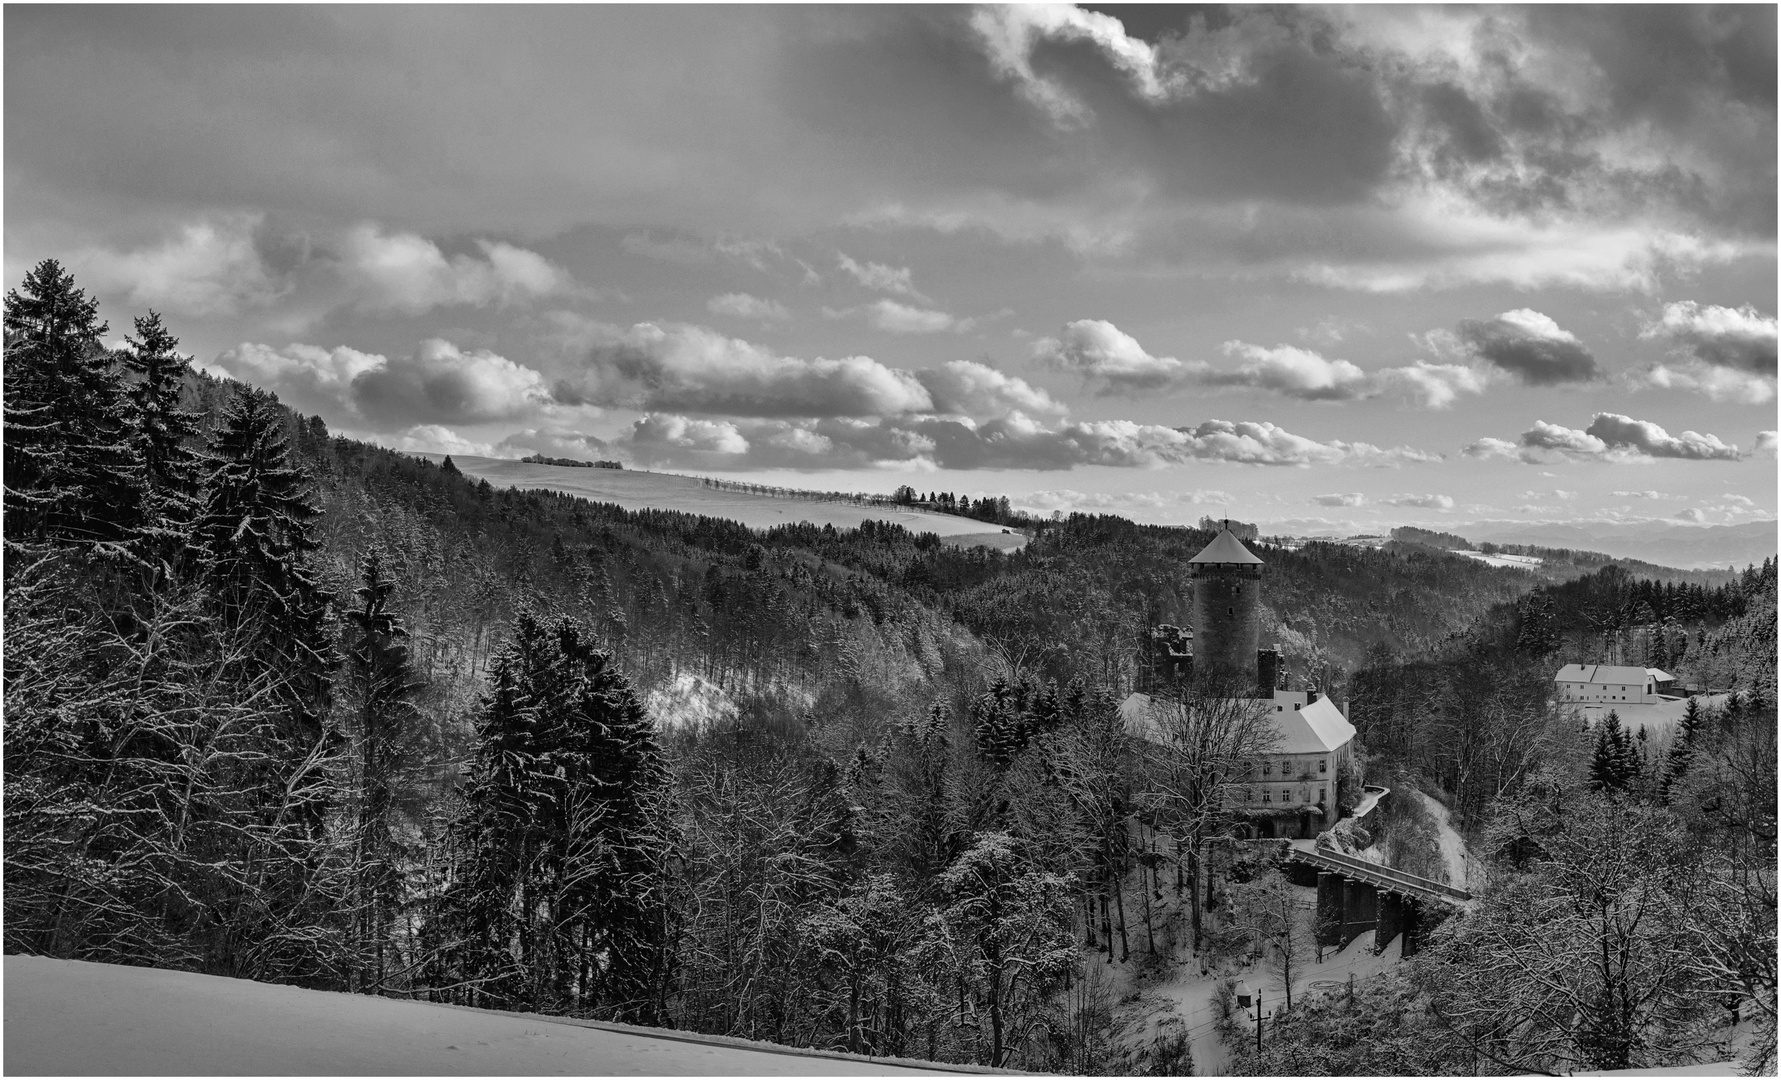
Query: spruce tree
<point>71,476</point>
<point>253,538</point>
<point>556,902</point>
<point>1614,763</point>
<point>172,485</point>
<point>1682,747</point>
<point>387,727</point>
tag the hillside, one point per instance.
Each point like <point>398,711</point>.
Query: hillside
<point>638,490</point>
<point>69,1018</point>
<point>1687,547</point>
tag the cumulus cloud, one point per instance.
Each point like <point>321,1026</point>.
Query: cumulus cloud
<point>1108,356</point>
<point>1353,498</point>
<point>436,439</point>
<point>1009,35</point>
<point>1616,437</point>
<point>680,368</point>
<point>1647,494</point>
<point>896,318</point>
<point>897,280</point>
<point>1765,442</point>
<point>1724,384</point>
<point>404,272</point>
<point>1013,441</point>
<point>1738,338</point>
<point>1487,448</point>
<point>1115,363</point>
<point>968,388</point>
<point>1530,346</point>
<point>744,306</point>
<point>1442,503</point>
<point>437,384</point>
<point>208,268</point>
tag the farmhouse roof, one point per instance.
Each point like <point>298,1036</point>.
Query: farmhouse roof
<point>1608,673</point>
<point>1225,548</point>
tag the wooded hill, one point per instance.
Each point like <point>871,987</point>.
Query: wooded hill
<point>285,706</point>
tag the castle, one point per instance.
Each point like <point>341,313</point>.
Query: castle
<point>1293,790</point>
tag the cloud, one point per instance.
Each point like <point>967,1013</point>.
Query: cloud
<point>1645,437</point>
<point>1721,337</point>
<point>1291,372</point>
<point>1014,441</point>
<point>680,368</point>
<point>208,268</point>
<point>1530,346</point>
<point>897,280</point>
<point>1615,437</point>
<point>896,318</point>
<point>1353,498</point>
<point>436,439</point>
<point>1724,384</point>
<point>409,273</point>
<point>1427,502</point>
<point>968,388</point>
<point>1647,494</point>
<point>1694,515</point>
<point>437,384</point>
<point>1487,448</point>
<point>556,442</point>
<point>1765,442</point>
<point>1070,499</point>
<point>744,306</point>
<point>1104,354</point>
<point>1115,363</point>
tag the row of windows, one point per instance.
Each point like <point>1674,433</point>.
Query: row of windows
<point>1285,795</point>
<point>1323,767</point>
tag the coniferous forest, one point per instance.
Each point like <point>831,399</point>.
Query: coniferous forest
<point>289,707</point>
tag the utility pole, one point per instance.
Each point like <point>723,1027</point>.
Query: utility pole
<point>1258,1021</point>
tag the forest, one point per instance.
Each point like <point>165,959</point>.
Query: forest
<point>286,706</point>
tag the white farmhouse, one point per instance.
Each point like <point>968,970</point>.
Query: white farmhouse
<point>1599,684</point>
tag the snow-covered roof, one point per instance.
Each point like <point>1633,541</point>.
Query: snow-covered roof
<point>1608,673</point>
<point>1659,675</point>
<point>1317,728</point>
<point>1225,548</point>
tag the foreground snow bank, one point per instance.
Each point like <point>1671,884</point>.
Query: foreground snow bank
<point>64,1017</point>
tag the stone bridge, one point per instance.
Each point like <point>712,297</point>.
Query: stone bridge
<point>1354,896</point>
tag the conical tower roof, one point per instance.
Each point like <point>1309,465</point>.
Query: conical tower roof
<point>1226,548</point>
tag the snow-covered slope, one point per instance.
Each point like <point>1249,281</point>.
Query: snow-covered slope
<point>637,490</point>
<point>67,1018</point>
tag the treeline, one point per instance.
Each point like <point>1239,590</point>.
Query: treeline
<point>540,459</point>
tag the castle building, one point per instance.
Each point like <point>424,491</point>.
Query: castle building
<point>1293,789</point>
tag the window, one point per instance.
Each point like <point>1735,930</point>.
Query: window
<point>1267,768</point>
<point>1323,765</point>
<point>1286,794</point>
<point>1230,611</point>
<point>1265,797</point>
<point>1295,706</point>
<point>1323,795</point>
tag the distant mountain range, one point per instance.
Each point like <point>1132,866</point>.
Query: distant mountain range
<point>1686,547</point>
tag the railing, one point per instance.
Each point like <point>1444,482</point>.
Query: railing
<point>1379,875</point>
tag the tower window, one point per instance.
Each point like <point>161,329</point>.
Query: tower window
<point>1230,611</point>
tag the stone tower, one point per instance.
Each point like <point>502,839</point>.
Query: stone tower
<point>1227,579</point>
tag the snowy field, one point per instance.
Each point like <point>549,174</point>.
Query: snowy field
<point>1657,719</point>
<point>67,1018</point>
<point>1518,562</point>
<point>635,490</point>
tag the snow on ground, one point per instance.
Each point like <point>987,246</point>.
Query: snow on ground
<point>1453,846</point>
<point>1658,718</point>
<point>637,490</point>
<point>68,1018</point>
<point>1518,562</point>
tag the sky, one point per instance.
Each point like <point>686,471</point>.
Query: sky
<point>1329,269</point>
